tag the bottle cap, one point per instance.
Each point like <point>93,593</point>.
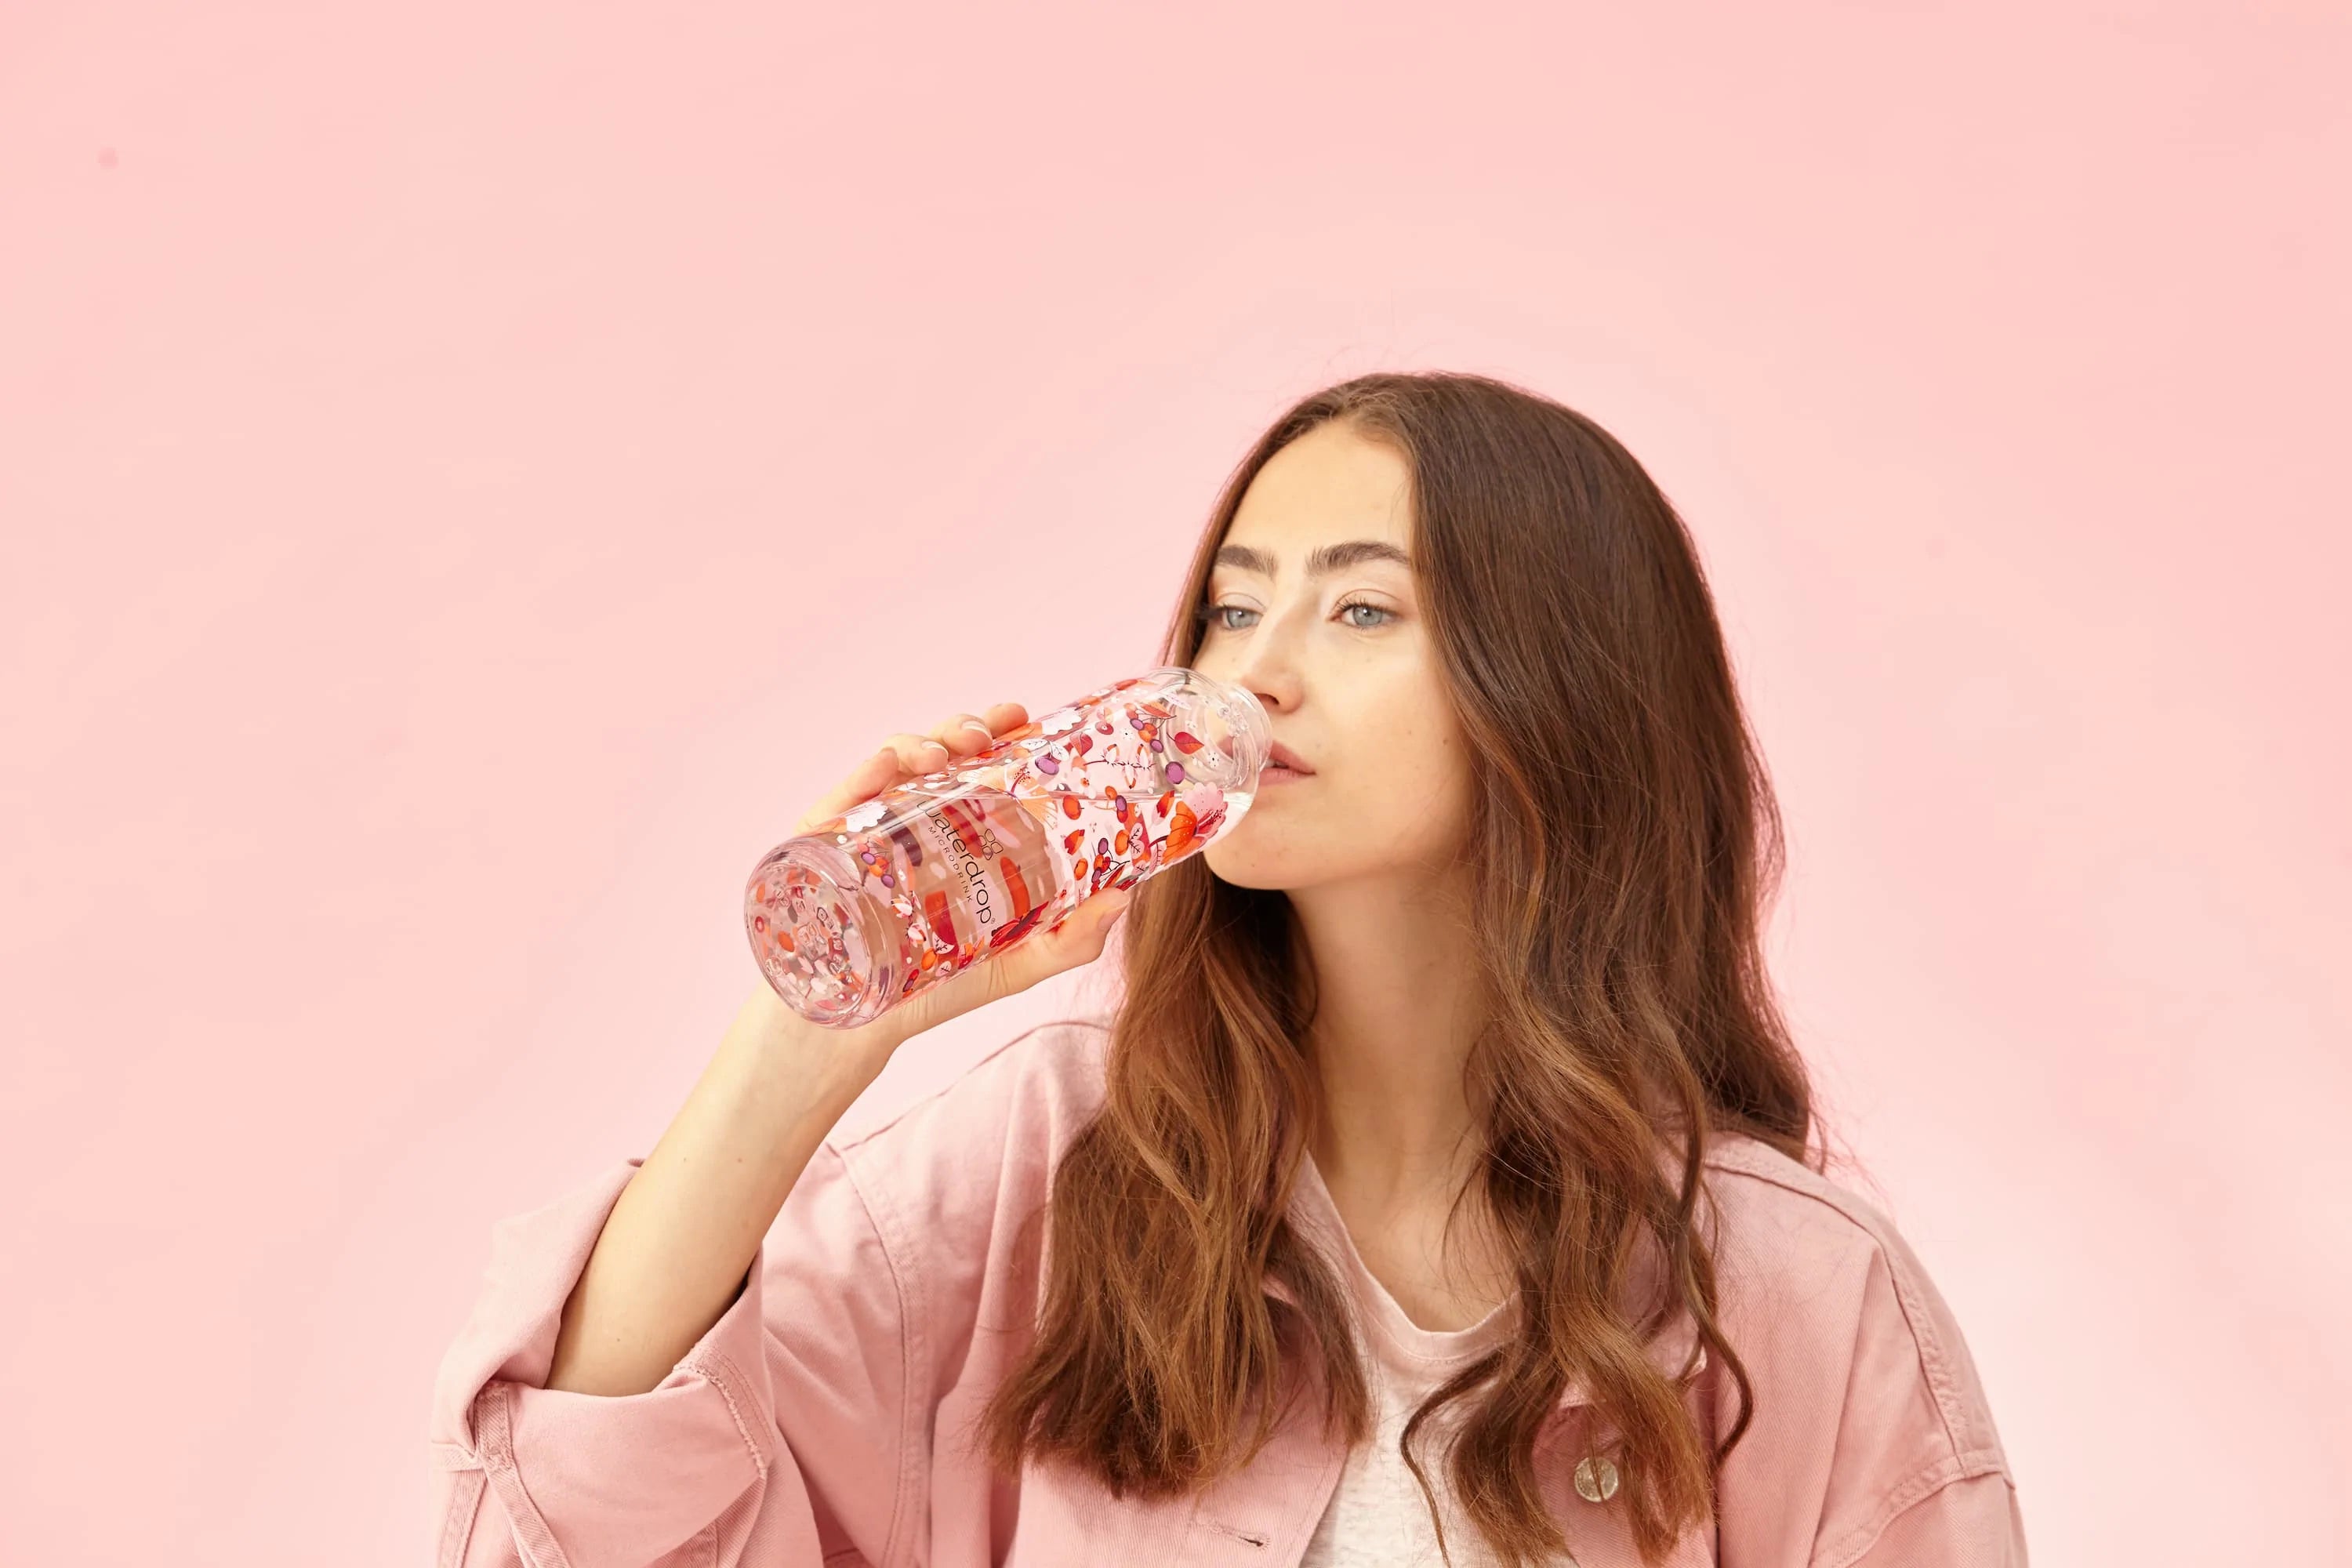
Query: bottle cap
<point>1235,734</point>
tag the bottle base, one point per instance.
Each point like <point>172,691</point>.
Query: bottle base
<point>826,944</point>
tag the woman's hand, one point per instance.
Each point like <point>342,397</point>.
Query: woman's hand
<point>674,1251</point>
<point>1076,939</point>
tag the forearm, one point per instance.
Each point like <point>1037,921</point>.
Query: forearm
<point>674,1251</point>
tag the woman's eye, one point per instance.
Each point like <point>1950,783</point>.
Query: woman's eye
<point>1214,615</point>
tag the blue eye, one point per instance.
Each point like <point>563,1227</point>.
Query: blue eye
<point>1209,614</point>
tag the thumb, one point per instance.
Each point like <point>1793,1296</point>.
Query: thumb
<point>1077,938</point>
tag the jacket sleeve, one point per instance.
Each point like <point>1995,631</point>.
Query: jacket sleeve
<point>702,1468</point>
<point>1968,1524</point>
<point>1919,1476</point>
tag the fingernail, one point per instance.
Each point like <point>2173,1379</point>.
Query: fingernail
<point>976,725</point>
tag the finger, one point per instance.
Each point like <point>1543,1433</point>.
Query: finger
<point>1096,916</point>
<point>917,753</point>
<point>1003,716</point>
<point>964,733</point>
<point>1078,939</point>
<point>911,755</point>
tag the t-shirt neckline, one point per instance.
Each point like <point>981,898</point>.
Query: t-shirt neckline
<point>1404,1337</point>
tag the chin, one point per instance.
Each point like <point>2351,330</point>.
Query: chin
<point>1263,872</point>
<point>1262,866</point>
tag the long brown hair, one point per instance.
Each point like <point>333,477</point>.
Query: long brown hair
<point>1624,841</point>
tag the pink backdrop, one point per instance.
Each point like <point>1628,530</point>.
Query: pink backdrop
<point>470,474</point>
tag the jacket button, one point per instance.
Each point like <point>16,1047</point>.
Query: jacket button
<point>1596,1479</point>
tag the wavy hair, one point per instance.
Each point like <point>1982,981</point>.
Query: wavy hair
<point>1624,842</point>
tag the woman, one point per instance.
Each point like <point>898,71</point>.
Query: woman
<point>1444,1186</point>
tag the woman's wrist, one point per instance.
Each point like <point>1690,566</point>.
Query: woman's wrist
<point>835,1065</point>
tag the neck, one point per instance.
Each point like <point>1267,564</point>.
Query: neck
<point>1398,1008</point>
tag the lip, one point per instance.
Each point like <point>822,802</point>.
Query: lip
<point>1283,766</point>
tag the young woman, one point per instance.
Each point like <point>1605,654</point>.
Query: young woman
<point>1445,1185</point>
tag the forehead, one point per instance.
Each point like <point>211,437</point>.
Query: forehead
<point>1329,484</point>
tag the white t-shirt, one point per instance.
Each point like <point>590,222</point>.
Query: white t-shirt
<point>1377,1518</point>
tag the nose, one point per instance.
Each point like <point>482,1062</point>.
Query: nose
<point>1268,669</point>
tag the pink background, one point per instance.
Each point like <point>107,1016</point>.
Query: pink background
<point>472,474</point>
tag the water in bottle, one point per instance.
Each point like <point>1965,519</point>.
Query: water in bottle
<point>940,872</point>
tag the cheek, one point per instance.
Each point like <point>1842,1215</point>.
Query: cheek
<point>1417,804</point>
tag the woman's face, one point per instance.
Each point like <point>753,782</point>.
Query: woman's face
<point>1342,661</point>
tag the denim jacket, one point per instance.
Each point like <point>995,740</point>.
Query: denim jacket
<point>824,1418</point>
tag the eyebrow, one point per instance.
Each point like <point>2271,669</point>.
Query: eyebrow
<point>1321,562</point>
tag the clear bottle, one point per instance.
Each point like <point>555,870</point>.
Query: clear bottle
<point>944,872</point>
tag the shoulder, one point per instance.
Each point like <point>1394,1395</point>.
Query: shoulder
<point>986,1140</point>
<point>1050,1073</point>
<point>1836,1316</point>
<point>1797,1212</point>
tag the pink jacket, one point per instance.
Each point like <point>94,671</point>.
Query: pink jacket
<point>822,1420</point>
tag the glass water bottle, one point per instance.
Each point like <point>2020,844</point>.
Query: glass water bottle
<point>940,872</point>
